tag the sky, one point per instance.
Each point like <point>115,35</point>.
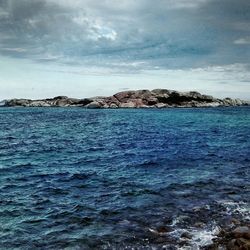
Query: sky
<point>86,48</point>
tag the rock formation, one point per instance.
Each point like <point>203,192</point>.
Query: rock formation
<point>157,98</point>
<point>232,239</point>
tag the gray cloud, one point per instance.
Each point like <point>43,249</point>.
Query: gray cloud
<point>127,35</point>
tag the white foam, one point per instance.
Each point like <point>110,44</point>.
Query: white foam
<point>233,207</point>
<point>205,237</point>
<point>200,237</point>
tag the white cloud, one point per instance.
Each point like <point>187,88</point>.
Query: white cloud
<point>18,50</point>
<point>130,4</point>
<point>3,13</point>
<point>242,41</point>
<point>99,31</point>
<point>185,3</point>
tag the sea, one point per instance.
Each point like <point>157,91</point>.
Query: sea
<point>74,178</point>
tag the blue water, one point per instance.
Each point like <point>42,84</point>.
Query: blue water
<point>73,178</point>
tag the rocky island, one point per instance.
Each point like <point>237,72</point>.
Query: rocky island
<point>157,98</point>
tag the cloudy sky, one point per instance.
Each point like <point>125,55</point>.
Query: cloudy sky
<point>90,47</point>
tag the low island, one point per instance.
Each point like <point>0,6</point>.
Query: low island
<point>157,98</point>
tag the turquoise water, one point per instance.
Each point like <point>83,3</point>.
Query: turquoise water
<point>73,178</point>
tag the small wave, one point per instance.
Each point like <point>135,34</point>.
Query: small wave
<point>34,221</point>
<point>11,213</point>
<point>146,163</point>
<point>55,191</point>
<point>141,192</point>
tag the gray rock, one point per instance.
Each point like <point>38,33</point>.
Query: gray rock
<point>239,244</point>
<point>3,103</point>
<point>242,232</point>
<point>210,104</point>
<point>229,102</point>
<point>152,101</point>
<point>63,103</point>
<point>39,104</point>
<point>161,91</point>
<point>238,102</point>
<point>83,102</point>
<point>127,96</point>
<point>113,106</point>
<point>128,105</point>
<point>60,97</point>
<point>161,105</point>
<point>93,105</point>
<point>18,102</point>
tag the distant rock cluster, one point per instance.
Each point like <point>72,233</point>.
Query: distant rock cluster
<point>157,98</point>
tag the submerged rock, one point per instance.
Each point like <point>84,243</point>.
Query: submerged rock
<point>157,98</point>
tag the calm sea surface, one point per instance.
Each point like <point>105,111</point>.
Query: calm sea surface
<point>73,178</point>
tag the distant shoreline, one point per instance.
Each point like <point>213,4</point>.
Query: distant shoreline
<point>157,98</point>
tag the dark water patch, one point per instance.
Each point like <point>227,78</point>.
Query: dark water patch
<point>34,221</point>
<point>81,176</point>
<point>140,192</point>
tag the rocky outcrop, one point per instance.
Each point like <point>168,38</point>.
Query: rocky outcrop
<point>157,98</point>
<point>232,239</point>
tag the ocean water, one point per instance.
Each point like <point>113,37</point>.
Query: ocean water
<point>73,178</point>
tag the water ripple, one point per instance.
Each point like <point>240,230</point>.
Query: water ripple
<point>108,179</point>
